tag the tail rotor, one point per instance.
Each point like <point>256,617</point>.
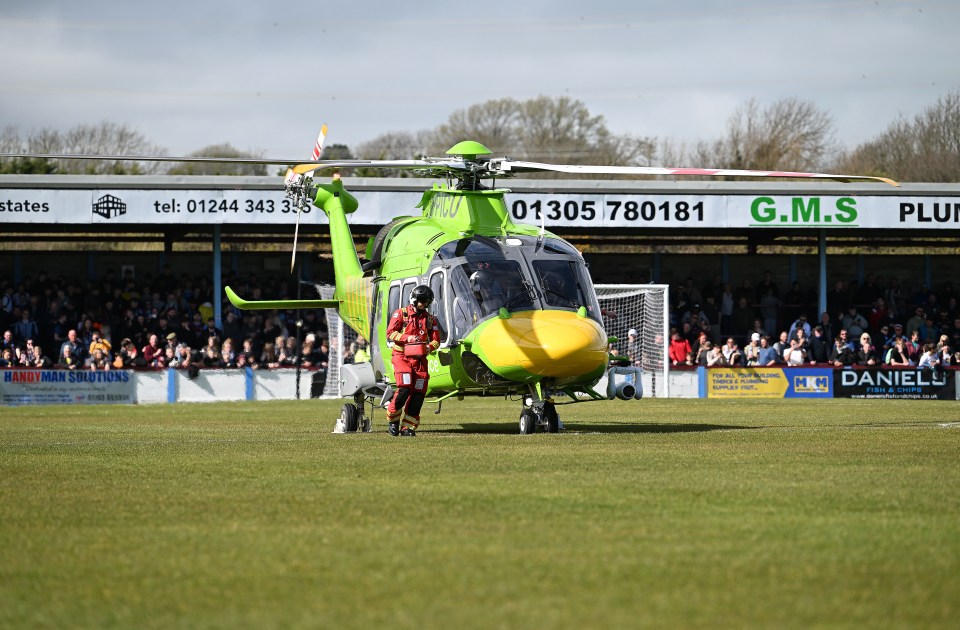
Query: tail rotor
<point>298,190</point>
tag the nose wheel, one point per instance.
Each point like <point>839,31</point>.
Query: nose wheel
<point>540,416</point>
<point>528,422</point>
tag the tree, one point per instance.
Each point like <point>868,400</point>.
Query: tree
<point>220,168</point>
<point>397,145</point>
<point>10,143</point>
<point>492,123</point>
<point>105,138</point>
<point>330,152</point>
<point>788,135</point>
<point>336,152</point>
<point>28,166</point>
<point>560,130</point>
<point>924,150</point>
<point>10,140</point>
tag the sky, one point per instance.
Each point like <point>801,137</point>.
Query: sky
<point>263,76</point>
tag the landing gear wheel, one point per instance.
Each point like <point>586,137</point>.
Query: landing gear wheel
<point>528,422</point>
<point>552,417</point>
<point>348,416</point>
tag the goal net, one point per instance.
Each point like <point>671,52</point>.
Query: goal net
<point>342,342</point>
<point>644,308</point>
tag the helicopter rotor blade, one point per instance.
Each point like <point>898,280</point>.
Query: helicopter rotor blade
<point>507,166</point>
<point>487,167</point>
<point>301,168</point>
<point>318,147</point>
<point>428,164</point>
<point>149,158</point>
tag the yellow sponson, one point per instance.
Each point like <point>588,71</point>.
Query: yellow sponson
<point>548,343</point>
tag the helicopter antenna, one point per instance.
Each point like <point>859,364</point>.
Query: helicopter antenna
<point>543,231</point>
<point>299,358</point>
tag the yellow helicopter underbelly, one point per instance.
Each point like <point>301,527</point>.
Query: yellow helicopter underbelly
<point>548,343</point>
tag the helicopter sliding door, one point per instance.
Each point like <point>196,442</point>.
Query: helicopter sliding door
<point>382,313</point>
<point>396,297</point>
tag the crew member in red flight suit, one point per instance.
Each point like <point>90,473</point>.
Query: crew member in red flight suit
<point>415,333</point>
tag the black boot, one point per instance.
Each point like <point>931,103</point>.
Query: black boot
<point>394,428</point>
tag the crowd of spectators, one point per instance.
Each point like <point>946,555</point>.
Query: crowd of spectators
<point>876,323</point>
<point>168,321</point>
<point>161,321</point>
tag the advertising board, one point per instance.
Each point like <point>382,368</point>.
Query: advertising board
<point>769,383</point>
<point>905,383</point>
<point>51,387</point>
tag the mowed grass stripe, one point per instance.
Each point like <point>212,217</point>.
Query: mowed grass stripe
<point>665,513</point>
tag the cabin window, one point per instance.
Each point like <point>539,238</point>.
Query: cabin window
<point>408,285</point>
<point>473,249</point>
<point>393,300</point>
<point>556,246</point>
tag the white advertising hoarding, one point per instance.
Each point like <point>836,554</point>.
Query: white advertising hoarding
<point>600,210</point>
<point>49,387</point>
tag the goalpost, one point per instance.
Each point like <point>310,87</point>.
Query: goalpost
<point>341,336</point>
<point>644,307</point>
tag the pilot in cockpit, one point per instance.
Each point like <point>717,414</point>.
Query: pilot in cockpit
<point>487,290</point>
<point>556,290</point>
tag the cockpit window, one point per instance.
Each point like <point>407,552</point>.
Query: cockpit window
<point>497,284</point>
<point>522,273</point>
<point>559,283</point>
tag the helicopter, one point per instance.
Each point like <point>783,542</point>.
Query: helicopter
<point>518,312</point>
<point>516,305</point>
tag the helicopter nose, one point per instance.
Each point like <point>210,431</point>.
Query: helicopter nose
<point>557,344</point>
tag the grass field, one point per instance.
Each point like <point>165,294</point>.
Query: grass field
<point>652,513</point>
